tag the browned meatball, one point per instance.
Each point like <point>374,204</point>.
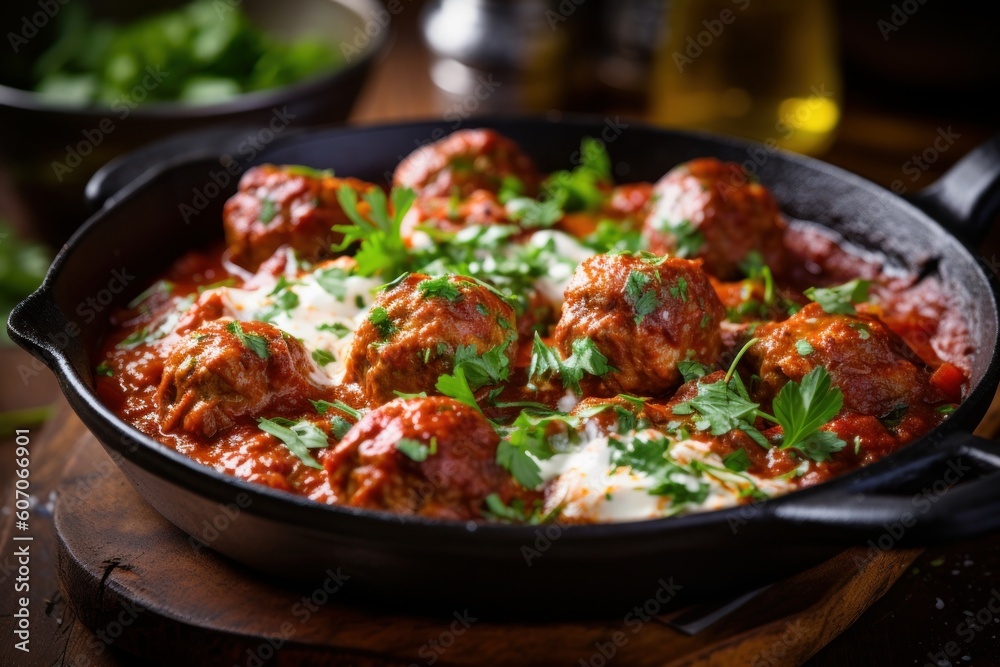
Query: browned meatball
<point>869,363</point>
<point>416,328</point>
<point>213,377</point>
<point>463,162</point>
<point>444,214</point>
<point>710,209</point>
<point>644,314</point>
<point>433,457</point>
<point>278,206</point>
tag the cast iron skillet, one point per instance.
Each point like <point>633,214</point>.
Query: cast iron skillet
<point>175,205</point>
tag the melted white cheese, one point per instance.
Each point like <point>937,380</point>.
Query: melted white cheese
<point>553,286</point>
<point>584,486</point>
<point>316,307</point>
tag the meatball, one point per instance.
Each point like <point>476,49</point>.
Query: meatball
<point>870,364</point>
<point>464,162</point>
<point>442,213</point>
<point>645,314</point>
<point>419,326</point>
<point>222,371</point>
<point>433,457</point>
<point>710,209</point>
<point>278,206</point>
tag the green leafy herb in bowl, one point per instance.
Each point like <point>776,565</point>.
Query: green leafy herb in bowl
<point>205,52</point>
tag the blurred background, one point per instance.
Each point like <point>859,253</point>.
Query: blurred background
<point>895,91</point>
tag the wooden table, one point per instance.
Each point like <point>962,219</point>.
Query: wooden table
<point>924,614</point>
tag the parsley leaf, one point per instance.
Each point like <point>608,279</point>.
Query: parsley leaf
<point>643,301</point>
<point>322,407</point>
<point>691,369</point>
<point>337,329</point>
<point>583,188</point>
<point>413,449</point>
<point>491,367</point>
<point>650,455</point>
<point>840,299</point>
<point>528,435</point>
<point>283,300</point>
<point>332,281</point>
<point>586,358</point>
<point>804,347</point>
<point>545,361</point>
<point>299,437</point>
<point>382,250</point>
<point>688,240</point>
<point>457,386</point>
<point>322,357</point>
<point>532,213</point>
<point>105,369</point>
<point>379,318</point>
<point>802,408</point>
<point>267,211</point>
<point>440,287</point>
<point>738,461</point>
<point>253,342</point>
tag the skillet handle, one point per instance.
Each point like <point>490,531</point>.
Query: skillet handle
<point>241,143</point>
<point>949,495</point>
<point>967,197</point>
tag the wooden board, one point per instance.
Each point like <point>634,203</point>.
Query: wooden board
<point>133,579</point>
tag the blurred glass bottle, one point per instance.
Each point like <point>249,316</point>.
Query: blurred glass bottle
<point>762,69</point>
<point>498,55</point>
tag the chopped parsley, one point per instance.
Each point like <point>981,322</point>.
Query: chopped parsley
<point>440,287</point>
<point>379,318</point>
<point>105,370</point>
<point>586,358</point>
<point>680,290</point>
<point>333,281</point>
<point>801,409</point>
<point>491,367</point>
<point>804,347</point>
<point>299,437</point>
<point>643,301</point>
<point>283,300</point>
<point>862,329</point>
<point>738,461</point>
<point>688,241</point>
<point>268,210</point>
<point>253,342</point>
<point>532,213</point>
<point>583,188</point>
<point>650,455</point>
<point>615,236</point>
<point>840,299</point>
<point>691,369</point>
<point>322,357</point>
<point>322,407</point>
<point>382,251</point>
<point>337,329</point>
<point>416,450</point>
<point>527,443</point>
<point>457,386</point>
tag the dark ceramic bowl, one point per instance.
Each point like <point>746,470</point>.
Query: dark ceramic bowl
<point>51,150</point>
<point>546,569</point>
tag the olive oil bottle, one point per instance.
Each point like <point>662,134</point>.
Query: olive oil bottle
<point>761,69</point>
